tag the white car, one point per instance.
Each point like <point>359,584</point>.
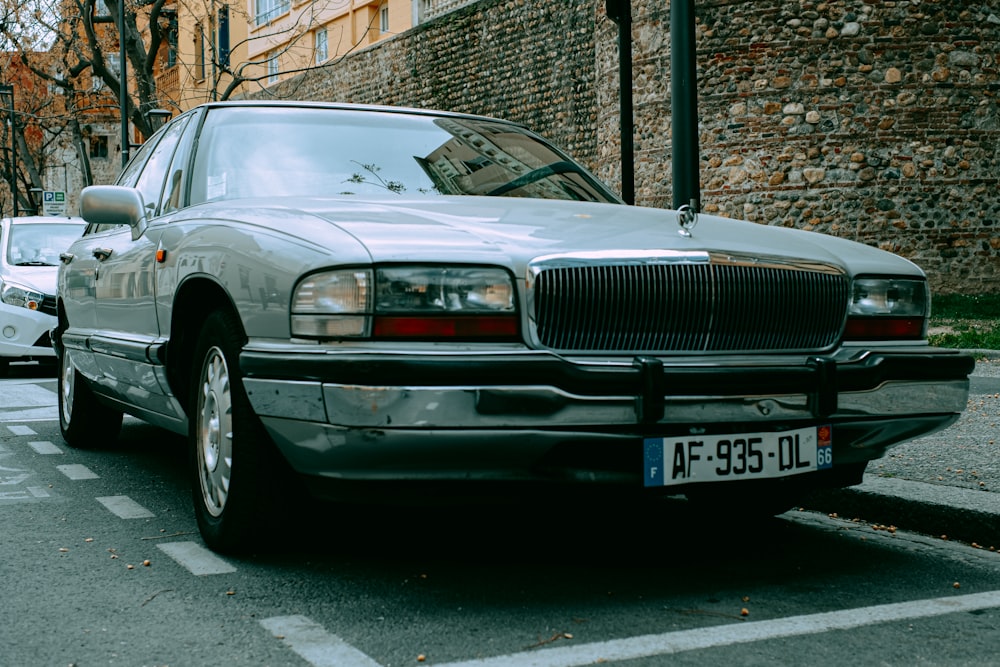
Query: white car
<point>29,260</point>
<point>385,301</point>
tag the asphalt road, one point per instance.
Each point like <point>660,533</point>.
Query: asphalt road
<point>101,564</point>
<point>947,483</point>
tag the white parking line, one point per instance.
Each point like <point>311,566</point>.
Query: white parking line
<point>76,471</point>
<point>38,491</point>
<point>195,558</point>
<point>21,429</point>
<point>28,395</point>
<point>737,633</point>
<point>314,644</point>
<point>125,508</point>
<point>45,447</point>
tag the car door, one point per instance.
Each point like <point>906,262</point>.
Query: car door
<point>127,329</point>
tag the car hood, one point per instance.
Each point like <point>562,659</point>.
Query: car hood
<point>39,278</point>
<point>513,231</point>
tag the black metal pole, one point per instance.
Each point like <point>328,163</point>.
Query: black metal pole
<point>684,105</point>
<point>123,102</point>
<point>8,92</point>
<point>620,11</point>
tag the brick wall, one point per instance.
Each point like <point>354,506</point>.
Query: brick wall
<point>876,121</point>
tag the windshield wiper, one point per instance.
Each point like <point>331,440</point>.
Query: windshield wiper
<point>562,167</point>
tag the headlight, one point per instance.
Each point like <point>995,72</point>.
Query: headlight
<point>332,305</point>
<point>413,302</point>
<point>18,295</point>
<point>424,289</point>
<point>888,308</point>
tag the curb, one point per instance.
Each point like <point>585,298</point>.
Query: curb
<point>932,509</point>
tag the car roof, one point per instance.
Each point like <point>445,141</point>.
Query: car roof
<point>345,106</point>
<point>44,219</point>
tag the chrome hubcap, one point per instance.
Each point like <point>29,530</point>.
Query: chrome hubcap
<point>67,387</point>
<point>215,433</point>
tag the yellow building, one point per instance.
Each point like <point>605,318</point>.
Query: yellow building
<point>222,51</point>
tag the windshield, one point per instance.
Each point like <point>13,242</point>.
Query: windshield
<point>269,151</point>
<point>40,244</point>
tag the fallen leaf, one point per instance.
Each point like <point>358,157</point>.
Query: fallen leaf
<point>130,567</point>
<point>63,550</point>
<point>956,585</point>
<point>147,563</point>
<point>744,612</point>
<point>421,657</point>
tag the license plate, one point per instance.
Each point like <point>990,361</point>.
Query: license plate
<point>715,458</point>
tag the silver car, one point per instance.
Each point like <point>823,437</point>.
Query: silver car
<point>376,301</point>
<point>29,257</point>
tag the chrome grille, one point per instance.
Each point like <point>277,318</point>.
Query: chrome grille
<point>688,307</point>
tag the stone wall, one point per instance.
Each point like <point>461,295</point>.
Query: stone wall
<point>876,121</point>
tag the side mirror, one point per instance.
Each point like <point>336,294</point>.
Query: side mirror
<point>113,205</point>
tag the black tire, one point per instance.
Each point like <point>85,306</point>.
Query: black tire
<point>84,421</point>
<point>233,462</point>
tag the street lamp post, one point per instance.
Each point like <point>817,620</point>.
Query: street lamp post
<point>620,11</point>
<point>7,90</point>
<point>36,199</point>
<point>123,97</point>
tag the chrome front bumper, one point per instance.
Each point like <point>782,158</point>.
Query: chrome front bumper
<point>468,416</point>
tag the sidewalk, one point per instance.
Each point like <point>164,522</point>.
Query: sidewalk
<point>947,483</point>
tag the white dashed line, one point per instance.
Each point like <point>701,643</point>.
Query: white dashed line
<point>38,491</point>
<point>76,471</point>
<point>195,558</point>
<point>742,633</point>
<point>125,508</point>
<point>21,429</point>
<point>45,447</point>
<point>28,395</point>
<point>314,644</point>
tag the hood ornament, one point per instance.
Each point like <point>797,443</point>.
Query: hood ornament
<point>687,218</point>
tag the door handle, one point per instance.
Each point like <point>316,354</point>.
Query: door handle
<point>102,253</point>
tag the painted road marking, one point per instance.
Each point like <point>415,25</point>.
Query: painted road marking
<point>742,633</point>
<point>314,644</point>
<point>21,429</point>
<point>77,471</point>
<point>125,508</point>
<point>30,415</point>
<point>28,396</point>
<point>195,558</point>
<point>322,649</point>
<point>38,491</point>
<point>45,447</point>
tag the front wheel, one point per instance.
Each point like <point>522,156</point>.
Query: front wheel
<point>232,455</point>
<point>83,420</point>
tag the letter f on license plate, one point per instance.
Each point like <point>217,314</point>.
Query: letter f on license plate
<point>689,459</point>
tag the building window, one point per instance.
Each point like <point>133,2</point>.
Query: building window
<point>272,69</point>
<point>99,146</point>
<point>199,52</point>
<point>383,19</point>
<point>266,10</point>
<point>224,35</point>
<point>322,46</point>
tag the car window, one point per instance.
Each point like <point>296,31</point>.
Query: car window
<point>151,181</point>
<point>173,193</point>
<point>256,152</point>
<point>40,244</point>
